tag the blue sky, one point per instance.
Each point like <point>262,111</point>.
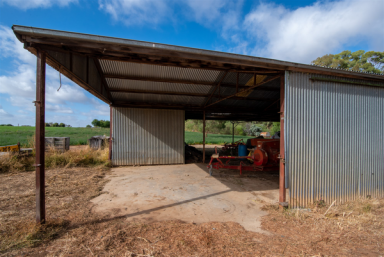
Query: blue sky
<point>298,31</point>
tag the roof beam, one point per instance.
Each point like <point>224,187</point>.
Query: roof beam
<point>243,91</point>
<point>138,91</point>
<point>126,49</point>
<point>179,81</point>
<point>59,67</point>
<point>102,78</point>
<point>217,86</point>
<point>218,109</point>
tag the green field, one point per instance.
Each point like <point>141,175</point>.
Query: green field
<point>24,135</point>
<point>79,136</point>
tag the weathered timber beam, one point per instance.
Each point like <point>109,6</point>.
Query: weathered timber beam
<point>243,91</point>
<point>145,59</point>
<point>111,51</point>
<point>217,86</point>
<point>115,49</point>
<point>137,91</point>
<point>215,109</point>
<point>103,81</point>
<point>66,72</point>
<point>178,81</point>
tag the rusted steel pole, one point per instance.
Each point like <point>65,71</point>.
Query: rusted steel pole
<point>110,134</point>
<point>282,191</point>
<point>203,136</point>
<point>40,137</point>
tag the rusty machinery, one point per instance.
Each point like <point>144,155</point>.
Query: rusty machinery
<point>232,147</point>
<point>264,155</point>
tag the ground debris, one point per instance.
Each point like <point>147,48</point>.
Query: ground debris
<point>350,229</point>
<point>192,155</point>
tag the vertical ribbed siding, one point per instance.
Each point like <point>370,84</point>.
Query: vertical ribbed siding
<point>335,142</point>
<point>147,136</point>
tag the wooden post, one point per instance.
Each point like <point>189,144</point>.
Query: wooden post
<point>40,137</point>
<point>203,136</point>
<point>282,191</point>
<point>110,134</point>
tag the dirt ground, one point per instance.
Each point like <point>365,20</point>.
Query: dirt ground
<point>187,193</point>
<point>75,228</point>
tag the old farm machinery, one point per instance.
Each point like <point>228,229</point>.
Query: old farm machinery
<point>264,155</point>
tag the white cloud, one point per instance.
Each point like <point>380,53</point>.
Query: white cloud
<point>11,47</point>
<point>133,12</point>
<point>20,84</point>
<point>58,109</point>
<point>4,114</point>
<point>306,33</point>
<point>30,4</point>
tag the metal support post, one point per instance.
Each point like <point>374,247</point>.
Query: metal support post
<point>203,136</point>
<point>40,137</point>
<point>110,134</point>
<point>282,191</point>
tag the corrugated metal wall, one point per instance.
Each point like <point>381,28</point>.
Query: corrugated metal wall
<point>147,136</point>
<point>335,139</point>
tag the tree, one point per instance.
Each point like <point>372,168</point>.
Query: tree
<point>104,123</point>
<point>88,126</point>
<point>55,124</point>
<point>254,130</point>
<point>96,123</point>
<point>62,125</point>
<point>357,61</point>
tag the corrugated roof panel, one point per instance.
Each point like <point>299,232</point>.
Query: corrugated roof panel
<point>157,86</point>
<point>158,71</point>
<point>158,99</point>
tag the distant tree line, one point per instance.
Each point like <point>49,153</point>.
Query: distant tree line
<point>100,123</point>
<point>224,127</point>
<point>6,125</point>
<point>55,124</point>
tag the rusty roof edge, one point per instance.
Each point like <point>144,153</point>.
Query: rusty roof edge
<point>41,32</point>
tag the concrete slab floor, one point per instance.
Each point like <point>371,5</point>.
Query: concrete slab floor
<point>188,193</point>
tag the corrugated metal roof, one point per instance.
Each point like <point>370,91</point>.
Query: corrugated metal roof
<point>167,77</point>
<point>21,31</point>
<point>158,71</point>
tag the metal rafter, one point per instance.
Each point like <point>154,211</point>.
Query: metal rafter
<point>243,91</point>
<point>218,85</point>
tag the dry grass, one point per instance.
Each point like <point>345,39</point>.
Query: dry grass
<point>68,191</point>
<point>55,159</point>
<point>351,229</point>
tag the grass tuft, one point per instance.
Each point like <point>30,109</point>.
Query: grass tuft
<point>30,234</point>
<point>55,159</point>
